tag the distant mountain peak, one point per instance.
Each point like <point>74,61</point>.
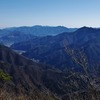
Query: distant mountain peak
<point>86,29</point>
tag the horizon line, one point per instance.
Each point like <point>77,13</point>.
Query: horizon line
<point>45,26</point>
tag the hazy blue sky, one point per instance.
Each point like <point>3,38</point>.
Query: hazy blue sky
<point>69,13</point>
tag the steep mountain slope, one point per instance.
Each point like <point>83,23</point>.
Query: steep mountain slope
<point>30,80</point>
<point>51,49</point>
<point>92,52</point>
<point>26,77</point>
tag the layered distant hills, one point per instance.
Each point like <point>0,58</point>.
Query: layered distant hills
<point>9,36</point>
<point>51,49</point>
<point>63,66</point>
<point>38,30</point>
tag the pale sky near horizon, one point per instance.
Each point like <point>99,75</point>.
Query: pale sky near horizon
<point>69,13</point>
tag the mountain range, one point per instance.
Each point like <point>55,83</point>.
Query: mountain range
<point>12,35</point>
<point>51,49</point>
<point>58,67</point>
<point>30,80</point>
